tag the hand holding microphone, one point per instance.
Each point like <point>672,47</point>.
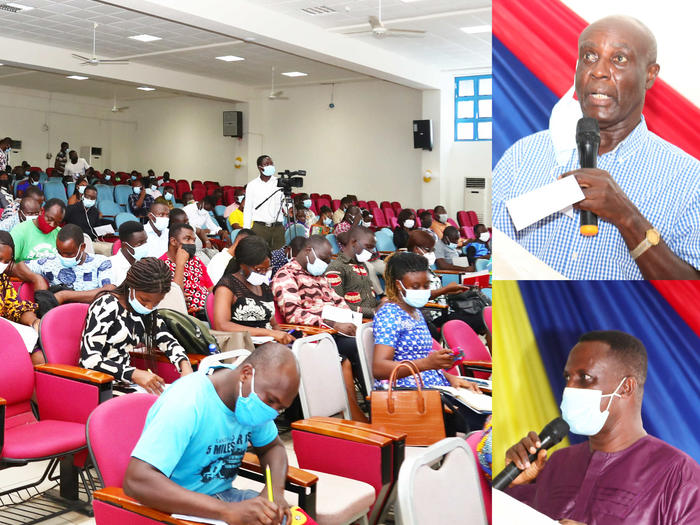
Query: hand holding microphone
<point>588,142</point>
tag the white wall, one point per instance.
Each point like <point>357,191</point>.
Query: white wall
<point>82,121</point>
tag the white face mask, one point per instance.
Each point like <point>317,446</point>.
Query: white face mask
<point>580,408</point>
<point>484,237</point>
<point>409,223</point>
<point>269,170</point>
<point>430,256</point>
<point>161,222</point>
<point>366,224</point>
<point>363,256</point>
<point>3,267</point>
<point>257,279</point>
<point>442,217</point>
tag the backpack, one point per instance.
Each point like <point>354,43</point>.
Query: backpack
<point>192,334</point>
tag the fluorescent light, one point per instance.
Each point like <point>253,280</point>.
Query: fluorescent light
<point>77,77</point>
<point>471,30</point>
<point>145,38</point>
<point>230,58</point>
<point>410,1</point>
<point>146,88</point>
<point>19,6</point>
<point>295,74</point>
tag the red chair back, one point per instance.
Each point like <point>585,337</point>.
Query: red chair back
<point>60,331</point>
<point>468,232</point>
<point>362,204</point>
<point>322,201</point>
<point>474,220</point>
<point>452,223</point>
<point>116,246</point>
<point>473,441</point>
<point>335,204</point>
<point>182,186</point>
<point>396,206</point>
<point>378,219</point>
<point>113,430</point>
<point>16,377</point>
<point>462,218</point>
<point>199,193</point>
<point>459,334</point>
<point>26,292</point>
<point>389,214</point>
<point>487,317</point>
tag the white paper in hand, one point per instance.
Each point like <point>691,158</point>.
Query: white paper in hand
<point>104,230</point>
<point>535,205</point>
<point>341,315</point>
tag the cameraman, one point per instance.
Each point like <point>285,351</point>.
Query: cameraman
<point>263,207</point>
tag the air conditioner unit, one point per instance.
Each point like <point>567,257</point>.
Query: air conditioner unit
<point>93,156</point>
<point>477,197</point>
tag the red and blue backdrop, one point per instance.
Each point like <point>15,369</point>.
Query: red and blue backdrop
<point>535,46</point>
<point>538,322</point>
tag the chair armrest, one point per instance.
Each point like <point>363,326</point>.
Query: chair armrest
<point>479,366</point>
<point>75,372</point>
<point>346,423</point>
<point>115,496</point>
<point>3,401</point>
<point>307,330</point>
<point>294,475</point>
<point>449,272</point>
<point>436,306</point>
<point>349,433</point>
<point>162,358</point>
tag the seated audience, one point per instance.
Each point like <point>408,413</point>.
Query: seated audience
<point>367,218</point>
<point>11,308</point>
<point>235,218</point>
<point>426,221</point>
<point>157,229</point>
<point>139,201</point>
<point>188,198</point>
<point>298,226</point>
<point>164,178</point>
<point>339,214</point>
<point>282,256</point>
<point>325,222</point>
<point>6,197</point>
<point>407,222</point>
<point>120,321</point>
<point>302,201</point>
<point>78,191</point>
<point>134,247</point>
<point>32,180</point>
<point>238,196</point>
<point>422,243</point>
<point>75,167</point>
<point>80,275</point>
<point>447,256</point>
<point>152,187</point>
<point>169,196</point>
<point>84,212</point>
<point>37,238</point>
<point>222,261</point>
<point>440,222</point>
<point>203,423</point>
<point>188,271</point>
<point>301,291</point>
<point>480,248</point>
<point>28,210</point>
<point>199,218</point>
<point>400,332</point>
<point>243,300</point>
<point>348,273</point>
<point>33,192</point>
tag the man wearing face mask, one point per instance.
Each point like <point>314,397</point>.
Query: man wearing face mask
<point>5,147</point>
<point>169,197</point>
<point>348,274</point>
<point>621,475</point>
<point>32,180</point>
<point>188,271</point>
<point>426,221</point>
<point>139,202</point>
<point>85,214</point>
<point>197,432</point>
<point>75,166</point>
<point>157,229</point>
<point>263,211</point>
<point>440,222</point>
<point>29,209</point>
<point>301,291</point>
<point>37,238</point>
<point>480,248</point>
<point>447,256</point>
<point>198,215</point>
<point>302,201</point>
<point>134,248</point>
<point>33,192</point>
<point>81,275</point>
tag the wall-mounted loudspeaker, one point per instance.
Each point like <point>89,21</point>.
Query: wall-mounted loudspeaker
<point>233,124</point>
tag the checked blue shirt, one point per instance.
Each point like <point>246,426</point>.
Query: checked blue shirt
<point>660,179</point>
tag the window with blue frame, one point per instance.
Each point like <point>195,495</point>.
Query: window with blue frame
<point>473,113</point>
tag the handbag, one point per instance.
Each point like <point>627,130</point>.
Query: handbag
<point>418,413</point>
<point>471,302</point>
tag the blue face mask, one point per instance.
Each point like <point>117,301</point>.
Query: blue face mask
<point>138,252</point>
<point>415,298</point>
<point>240,198</point>
<point>88,203</point>
<point>269,170</point>
<point>453,245</point>
<point>27,173</point>
<point>307,203</point>
<point>168,196</point>
<point>69,262</point>
<point>137,190</point>
<point>327,221</point>
<point>317,267</point>
<point>252,411</point>
<point>138,307</point>
<point>35,183</point>
<point>107,177</point>
<point>133,177</point>
<point>81,189</point>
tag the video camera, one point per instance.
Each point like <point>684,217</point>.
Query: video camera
<point>290,179</point>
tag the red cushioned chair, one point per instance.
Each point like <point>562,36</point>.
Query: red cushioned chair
<point>65,397</point>
<point>314,195</point>
<point>389,214</point>
<point>182,186</point>
<point>396,206</point>
<point>452,223</point>
<point>362,204</point>
<point>322,201</point>
<point>199,193</point>
<point>473,219</point>
<point>487,317</point>
<point>114,429</point>
<point>473,440</point>
<point>378,219</point>
<point>463,218</point>
<point>60,331</point>
<point>459,334</point>
<point>335,204</point>
<point>49,171</point>
<point>372,204</point>
<point>116,246</point>
<point>467,232</point>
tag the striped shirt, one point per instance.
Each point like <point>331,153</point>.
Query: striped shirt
<point>660,179</point>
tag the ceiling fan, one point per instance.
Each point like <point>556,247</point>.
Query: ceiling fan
<point>116,109</point>
<point>379,30</point>
<point>94,61</point>
<point>275,95</point>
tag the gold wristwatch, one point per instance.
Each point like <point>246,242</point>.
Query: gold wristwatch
<point>652,238</point>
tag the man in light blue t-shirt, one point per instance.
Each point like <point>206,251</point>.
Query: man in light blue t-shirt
<point>198,431</point>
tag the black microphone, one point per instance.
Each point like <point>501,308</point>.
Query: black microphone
<point>587,142</point>
<point>551,434</point>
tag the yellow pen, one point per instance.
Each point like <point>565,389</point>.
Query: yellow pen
<point>269,482</point>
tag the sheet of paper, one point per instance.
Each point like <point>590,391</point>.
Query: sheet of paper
<point>478,402</point>
<point>104,230</point>
<point>261,339</point>
<point>341,315</point>
<point>198,519</point>
<point>528,208</point>
<point>28,335</point>
<point>507,509</point>
<point>512,262</point>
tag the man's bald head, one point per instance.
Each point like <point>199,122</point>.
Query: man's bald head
<point>628,25</point>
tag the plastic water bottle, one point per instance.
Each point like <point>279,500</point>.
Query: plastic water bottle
<point>213,348</point>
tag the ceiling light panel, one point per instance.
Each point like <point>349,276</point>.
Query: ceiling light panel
<point>146,88</point>
<point>318,10</point>
<point>145,38</point>
<point>77,77</point>
<point>230,58</point>
<point>295,74</point>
